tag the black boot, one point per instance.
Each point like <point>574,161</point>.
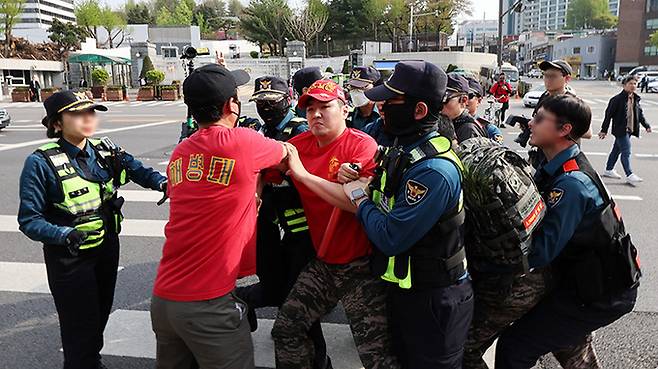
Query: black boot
<point>323,364</point>
<point>252,319</point>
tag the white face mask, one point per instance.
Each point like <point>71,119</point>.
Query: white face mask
<point>359,98</point>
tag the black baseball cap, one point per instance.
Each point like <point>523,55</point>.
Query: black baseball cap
<point>474,86</point>
<point>558,64</point>
<point>269,88</point>
<point>64,101</point>
<point>419,79</point>
<point>361,77</point>
<point>457,85</point>
<point>212,84</point>
<point>305,78</point>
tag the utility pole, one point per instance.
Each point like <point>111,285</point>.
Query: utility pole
<point>516,7</point>
<point>410,45</point>
<point>500,32</point>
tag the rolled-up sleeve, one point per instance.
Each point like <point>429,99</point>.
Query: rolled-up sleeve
<point>34,199</point>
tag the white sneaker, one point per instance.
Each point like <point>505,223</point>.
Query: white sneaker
<point>611,174</point>
<point>633,179</point>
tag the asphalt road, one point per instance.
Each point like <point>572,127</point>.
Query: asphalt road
<point>29,335</point>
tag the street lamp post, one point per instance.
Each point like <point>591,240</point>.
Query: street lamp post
<point>410,45</point>
<point>516,7</point>
<point>326,40</point>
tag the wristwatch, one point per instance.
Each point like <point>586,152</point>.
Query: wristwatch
<point>357,194</point>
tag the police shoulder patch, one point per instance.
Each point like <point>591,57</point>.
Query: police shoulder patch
<point>555,196</point>
<point>415,192</point>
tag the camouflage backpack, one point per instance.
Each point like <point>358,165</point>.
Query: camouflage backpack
<point>503,205</point>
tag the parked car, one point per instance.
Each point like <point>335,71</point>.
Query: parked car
<point>534,73</point>
<point>531,97</point>
<point>5,119</point>
<point>653,86</point>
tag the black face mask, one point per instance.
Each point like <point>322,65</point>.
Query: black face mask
<point>272,113</point>
<point>399,121</point>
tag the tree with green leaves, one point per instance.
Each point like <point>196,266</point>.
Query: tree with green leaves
<point>261,23</point>
<point>164,17</point>
<point>115,25</point>
<point>653,39</point>
<point>88,15</point>
<point>66,35</point>
<point>147,65</point>
<point>308,22</point>
<point>587,14</point>
<point>9,12</point>
<point>138,13</point>
<point>181,16</point>
<point>210,16</point>
<point>235,8</point>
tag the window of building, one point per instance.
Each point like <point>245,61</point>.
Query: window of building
<point>576,50</point>
<point>169,51</point>
<point>16,77</point>
<point>652,23</point>
<point>651,51</point>
<point>652,6</point>
<point>590,49</point>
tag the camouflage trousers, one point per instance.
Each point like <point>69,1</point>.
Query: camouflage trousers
<point>318,289</point>
<point>500,301</point>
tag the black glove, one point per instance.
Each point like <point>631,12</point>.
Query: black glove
<point>74,239</point>
<point>163,189</point>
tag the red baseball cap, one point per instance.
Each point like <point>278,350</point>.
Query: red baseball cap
<point>322,90</point>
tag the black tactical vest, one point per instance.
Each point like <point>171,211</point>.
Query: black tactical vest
<point>599,260</point>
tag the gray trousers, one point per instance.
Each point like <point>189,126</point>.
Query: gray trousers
<point>211,334</point>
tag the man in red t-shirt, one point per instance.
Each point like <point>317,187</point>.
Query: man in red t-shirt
<point>340,271</point>
<point>212,175</point>
<point>502,90</point>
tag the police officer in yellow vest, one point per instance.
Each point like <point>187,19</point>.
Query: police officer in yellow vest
<point>414,217</point>
<point>69,202</point>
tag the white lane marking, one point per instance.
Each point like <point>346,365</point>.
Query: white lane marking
<point>37,142</point>
<point>601,101</point>
<point>590,102</point>
<point>646,155</point>
<point>129,334</point>
<point>25,277</point>
<point>140,195</point>
<point>22,121</point>
<point>650,102</point>
<point>627,197</point>
<point>27,125</point>
<point>164,162</point>
<point>21,129</point>
<point>129,227</point>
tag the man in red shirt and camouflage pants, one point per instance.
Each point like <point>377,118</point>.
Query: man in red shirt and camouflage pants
<point>341,270</point>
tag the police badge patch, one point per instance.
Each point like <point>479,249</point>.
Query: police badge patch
<point>416,192</point>
<point>555,196</point>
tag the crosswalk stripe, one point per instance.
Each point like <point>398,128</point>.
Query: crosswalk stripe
<point>601,101</point>
<point>129,227</point>
<point>590,102</point>
<point>25,277</point>
<point>129,334</point>
<point>650,102</point>
<point>140,195</point>
<point>36,142</point>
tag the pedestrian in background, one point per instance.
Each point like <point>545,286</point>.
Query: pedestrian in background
<point>626,115</point>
